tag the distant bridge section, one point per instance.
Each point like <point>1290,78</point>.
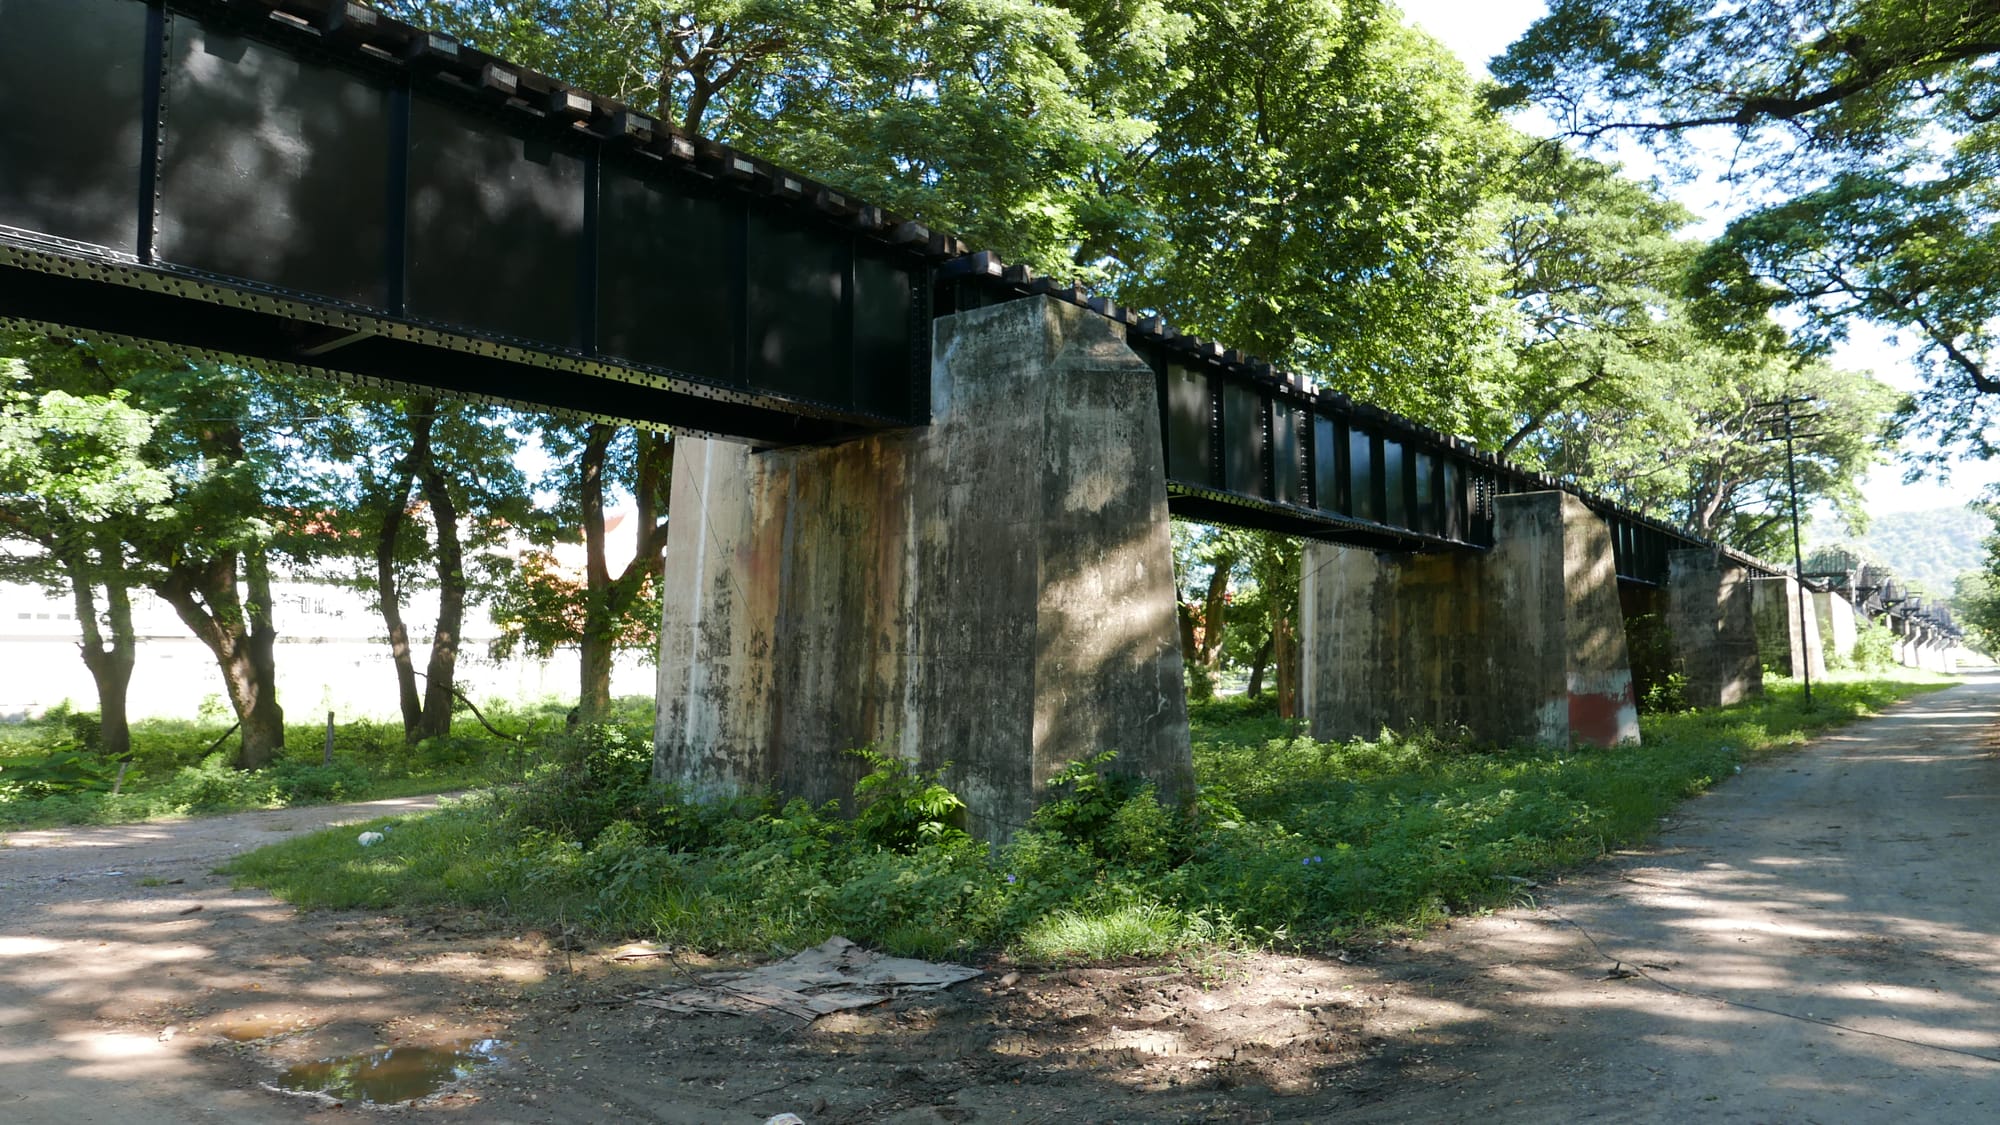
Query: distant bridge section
<point>1251,446</point>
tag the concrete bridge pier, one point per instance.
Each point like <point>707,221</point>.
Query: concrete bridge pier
<point>1712,628</point>
<point>1936,649</point>
<point>994,590</point>
<point>1787,633</point>
<point>1521,643</point>
<point>1905,631</point>
<point>1835,615</point>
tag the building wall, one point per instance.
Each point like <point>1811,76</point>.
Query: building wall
<point>332,654</point>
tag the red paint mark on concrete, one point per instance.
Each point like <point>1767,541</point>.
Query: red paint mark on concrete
<point>1602,719</point>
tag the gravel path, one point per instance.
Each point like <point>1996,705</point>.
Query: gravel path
<point>109,934</point>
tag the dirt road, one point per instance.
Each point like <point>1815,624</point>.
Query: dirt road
<point>1818,940</point>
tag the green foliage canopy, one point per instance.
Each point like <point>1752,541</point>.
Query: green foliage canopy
<point>1869,126</point>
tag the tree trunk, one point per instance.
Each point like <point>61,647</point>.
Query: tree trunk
<point>440,675</point>
<point>389,596</point>
<point>110,662</point>
<point>607,599</point>
<point>1286,650</point>
<point>594,646</point>
<point>205,597</point>
<point>1214,611</point>
<point>426,714</point>
<point>1257,666</point>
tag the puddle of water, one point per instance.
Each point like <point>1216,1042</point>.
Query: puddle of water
<point>393,1074</point>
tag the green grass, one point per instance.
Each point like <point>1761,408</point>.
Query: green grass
<point>1291,842</point>
<point>179,767</point>
<point>1142,930</point>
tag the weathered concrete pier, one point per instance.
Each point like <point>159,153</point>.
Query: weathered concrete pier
<point>994,591</point>
<point>1524,642</point>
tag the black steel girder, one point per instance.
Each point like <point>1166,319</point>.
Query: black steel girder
<point>307,184</point>
<point>1253,447</point>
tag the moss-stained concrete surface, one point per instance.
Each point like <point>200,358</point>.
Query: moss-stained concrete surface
<point>994,590</point>
<point>1521,643</point>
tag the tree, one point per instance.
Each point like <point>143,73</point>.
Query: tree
<point>1838,78</point>
<point>1592,264</point>
<point>1869,126</point>
<point>1238,603</point>
<point>1697,454</point>
<point>73,473</point>
<point>209,550</point>
<point>218,437</point>
<point>543,608</point>
<point>1920,256</point>
<point>1317,194</point>
<point>1976,601</point>
<point>416,491</point>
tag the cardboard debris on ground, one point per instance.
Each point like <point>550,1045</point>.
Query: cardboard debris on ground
<point>641,951</point>
<point>832,977</point>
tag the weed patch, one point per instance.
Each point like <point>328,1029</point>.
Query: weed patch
<point>1289,841</point>
<point>53,771</point>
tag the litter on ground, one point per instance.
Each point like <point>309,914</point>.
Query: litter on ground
<point>832,977</point>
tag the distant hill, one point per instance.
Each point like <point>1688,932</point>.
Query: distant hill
<point>1928,548</point>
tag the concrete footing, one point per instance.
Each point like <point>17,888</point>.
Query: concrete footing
<point>994,590</point>
<point>1787,632</point>
<point>1522,643</point>
<point>1712,629</point>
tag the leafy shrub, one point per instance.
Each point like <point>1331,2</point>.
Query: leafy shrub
<point>79,731</point>
<point>297,783</point>
<point>213,786</point>
<point>1874,647</point>
<point>65,771</point>
<point>1232,709</point>
<point>588,779</point>
<point>1666,694</point>
<point>1200,681</point>
<point>899,808</point>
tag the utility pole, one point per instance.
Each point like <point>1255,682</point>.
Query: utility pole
<point>1779,419</point>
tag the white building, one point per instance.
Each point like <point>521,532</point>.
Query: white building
<point>332,655</point>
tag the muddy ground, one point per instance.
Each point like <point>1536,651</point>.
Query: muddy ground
<point>1817,940</point>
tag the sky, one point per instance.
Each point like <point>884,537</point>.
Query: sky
<point>1478,31</point>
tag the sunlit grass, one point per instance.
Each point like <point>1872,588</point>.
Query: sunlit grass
<point>1142,930</point>
<point>180,767</point>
